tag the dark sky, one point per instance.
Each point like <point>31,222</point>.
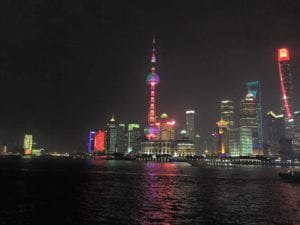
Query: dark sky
<point>67,65</point>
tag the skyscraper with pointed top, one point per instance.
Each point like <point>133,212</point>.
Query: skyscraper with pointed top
<point>111,138</point>
<point>152,79</point>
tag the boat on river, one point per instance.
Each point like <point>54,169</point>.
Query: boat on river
<point>290,175</point>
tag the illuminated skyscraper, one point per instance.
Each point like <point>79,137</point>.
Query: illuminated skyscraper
<point>27,144</point>
<point>91,143</point>
<point>227,112</point>
<point>240,142</point>
<point>167,128</point>
<point>255,90</point>
<point>276,131</point>
<point>222,139</point>
<point>297,131</point>
<point>287,90</point>
<point>249,119</point>
<point>152,130</point>
<point>190,124</point>
<point>111,138</point>
<point>99,143</point>
<point>121,138</point>
<point>134,134</point>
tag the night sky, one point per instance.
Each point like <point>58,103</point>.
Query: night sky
<point>66,66</point>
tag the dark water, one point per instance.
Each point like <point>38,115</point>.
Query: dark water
<point>128,192</point>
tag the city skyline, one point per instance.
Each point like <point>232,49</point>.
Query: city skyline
<point>75,89</point>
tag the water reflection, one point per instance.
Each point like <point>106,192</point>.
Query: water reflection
<point>160,194</point>
<point>129,192</point>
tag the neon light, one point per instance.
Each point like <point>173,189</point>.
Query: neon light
<point>283,54</point>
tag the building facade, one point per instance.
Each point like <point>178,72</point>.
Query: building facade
<point>287,90</point>
<point>222,138</point>
<point>99,142</point>
<point>167,128</point>
<point>249,119</point>
<point>185,148</point>
<point>133,137</point>
<point>121,144</point>
<point>27,144</point>
<point>254,89</point>
<point>228,112</point>
<point>111,137</point>
<point>276,132</point>
<point>190,124</point>
<point>240,142</point>
<point>158,147</point>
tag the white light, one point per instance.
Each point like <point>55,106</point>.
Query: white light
<point>190,112</point>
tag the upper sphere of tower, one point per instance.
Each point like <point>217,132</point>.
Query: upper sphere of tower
<point>152,77</point>
<point>164,116</point>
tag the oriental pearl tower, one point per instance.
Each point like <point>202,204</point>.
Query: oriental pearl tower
<point>152,79</point>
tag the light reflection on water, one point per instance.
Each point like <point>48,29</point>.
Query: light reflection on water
<point>129,192</point>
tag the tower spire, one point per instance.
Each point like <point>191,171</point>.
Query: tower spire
<point>153,58</point>
<point>152,80</point>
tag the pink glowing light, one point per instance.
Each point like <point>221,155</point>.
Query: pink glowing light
<point>283,54</point>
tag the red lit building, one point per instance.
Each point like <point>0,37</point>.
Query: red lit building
<point>99,144</point>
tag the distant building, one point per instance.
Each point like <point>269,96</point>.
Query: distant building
<point>287,90</point>
<point>99,142</point>
<point>254,89</point>
<point>221,138</point>
<point>190,124</point>
<point>37,152</point>
<point>296,140</point>
<point>240,142</point>
<point>121,145</point>
<point>199,145</point>
<point>183,135</point>
<point>228,112</point>
<point>184,148</point>
<point>27,145</point>
<point>167,128</point>
<point>249,119</point>
<point>158,147</point>
<point>91,141</point>
<point>111,138</point>
<point>276,131</point>
<point>134,133</point>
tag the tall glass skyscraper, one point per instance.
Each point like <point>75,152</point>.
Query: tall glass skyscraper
<point>240,142</point>
<point>249,119</point>
<point>228,113</point>
<point>255,90</point>
<point>121,144</point>
<point>134,133</point>
<point>190,124</point>
<point>111,138</point>
<point>287,90</point>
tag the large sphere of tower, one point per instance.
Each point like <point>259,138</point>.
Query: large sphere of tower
<point>152,78</point>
